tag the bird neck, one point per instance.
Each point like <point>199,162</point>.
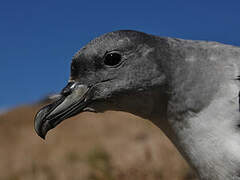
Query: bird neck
<point>203,109</point>
<point>209,140</point>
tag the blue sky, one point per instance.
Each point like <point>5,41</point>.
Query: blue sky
<point>39,38</point>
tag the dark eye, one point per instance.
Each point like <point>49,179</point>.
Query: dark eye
<point>112,59</point>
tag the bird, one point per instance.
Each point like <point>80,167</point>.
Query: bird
<point>187,88</point>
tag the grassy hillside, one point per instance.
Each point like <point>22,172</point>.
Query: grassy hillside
<point>103,146</point>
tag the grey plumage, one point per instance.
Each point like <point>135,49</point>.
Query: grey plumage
<point>187,88</point>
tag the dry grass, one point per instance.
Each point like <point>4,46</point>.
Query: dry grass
<point>104,146</point>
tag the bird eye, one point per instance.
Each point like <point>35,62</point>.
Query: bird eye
<point>112,59</point>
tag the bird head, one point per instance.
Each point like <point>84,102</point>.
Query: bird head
<point>120,70</point>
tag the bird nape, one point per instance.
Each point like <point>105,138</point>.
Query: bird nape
<point>189,89</point>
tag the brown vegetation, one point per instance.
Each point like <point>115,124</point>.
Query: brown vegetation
<point>102,146</point>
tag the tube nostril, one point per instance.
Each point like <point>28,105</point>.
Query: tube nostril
<point>66,92</point>
<point>68,89</point>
